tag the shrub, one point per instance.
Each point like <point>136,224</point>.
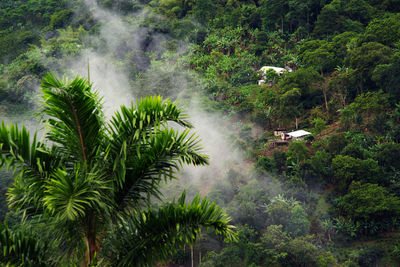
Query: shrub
<point>266,164</point>
<point>60,19</point>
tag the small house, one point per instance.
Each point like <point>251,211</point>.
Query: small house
<point>284,136</point>
<point>279,132</point>
<point>278,71</point>
<point>296,135</point>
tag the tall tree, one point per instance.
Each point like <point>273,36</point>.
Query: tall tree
<point>89,177</point>
<point>273,13</point>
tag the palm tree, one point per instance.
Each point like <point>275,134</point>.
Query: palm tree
<point>23,248</point>
<point>90,180</point>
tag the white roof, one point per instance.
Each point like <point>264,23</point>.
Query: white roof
<point>276,69</point>
<point>298,133</point>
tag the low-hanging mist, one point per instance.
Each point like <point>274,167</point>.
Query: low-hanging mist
<point>120,39</point>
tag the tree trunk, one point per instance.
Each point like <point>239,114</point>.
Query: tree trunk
<point>326,100</point>
<point>92,248</point>
<point>191,254</point>
<point>92,244</point>
<point>87,254</point>
<point>342,96</point>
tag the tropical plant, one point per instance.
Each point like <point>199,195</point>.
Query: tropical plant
<point>89,178</point>
<point>21,248</point>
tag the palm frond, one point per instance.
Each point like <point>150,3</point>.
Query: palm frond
<point>18,149</point>
<point>64,239</point>
<point>32,163</point>
<point>21,248</point>
<point>130,125</point>
<point>72,196</point>
<point>76,119</point>
<point>143,238</point>
<point>147,115</point>
<point>156,158</point>
<point>144,150</point>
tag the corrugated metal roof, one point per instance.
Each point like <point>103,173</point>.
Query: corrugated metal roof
<point>276,69</point>
<point>298,133</point>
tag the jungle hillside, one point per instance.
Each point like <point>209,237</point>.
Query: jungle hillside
<point>200,133</point>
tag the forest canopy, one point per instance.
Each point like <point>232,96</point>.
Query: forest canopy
<point>330,199</point>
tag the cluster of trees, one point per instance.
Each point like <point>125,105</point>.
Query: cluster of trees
<point>339,185</point>
<point>332,71</point>
<point>344,57</point>
<point>361,174</point>
<point>22,23</point>
<point>34,37</point>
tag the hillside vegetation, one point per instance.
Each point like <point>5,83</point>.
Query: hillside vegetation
<point>332,199</point>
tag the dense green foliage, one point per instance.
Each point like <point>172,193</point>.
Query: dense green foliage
<point>332,199</point>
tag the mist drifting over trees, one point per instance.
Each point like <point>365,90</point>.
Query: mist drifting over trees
<point>329,199</point>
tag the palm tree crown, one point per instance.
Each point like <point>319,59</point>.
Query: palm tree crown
<point>90,180</point>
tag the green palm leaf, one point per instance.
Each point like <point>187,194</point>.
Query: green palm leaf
<point>20,248</point>
<point>76,119</point>
<point>130,126</point>
<point>71,197</point>
<point>145,150</point>
<point>158,158</point>
<point>31,161</point>
<point>143,238</point>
